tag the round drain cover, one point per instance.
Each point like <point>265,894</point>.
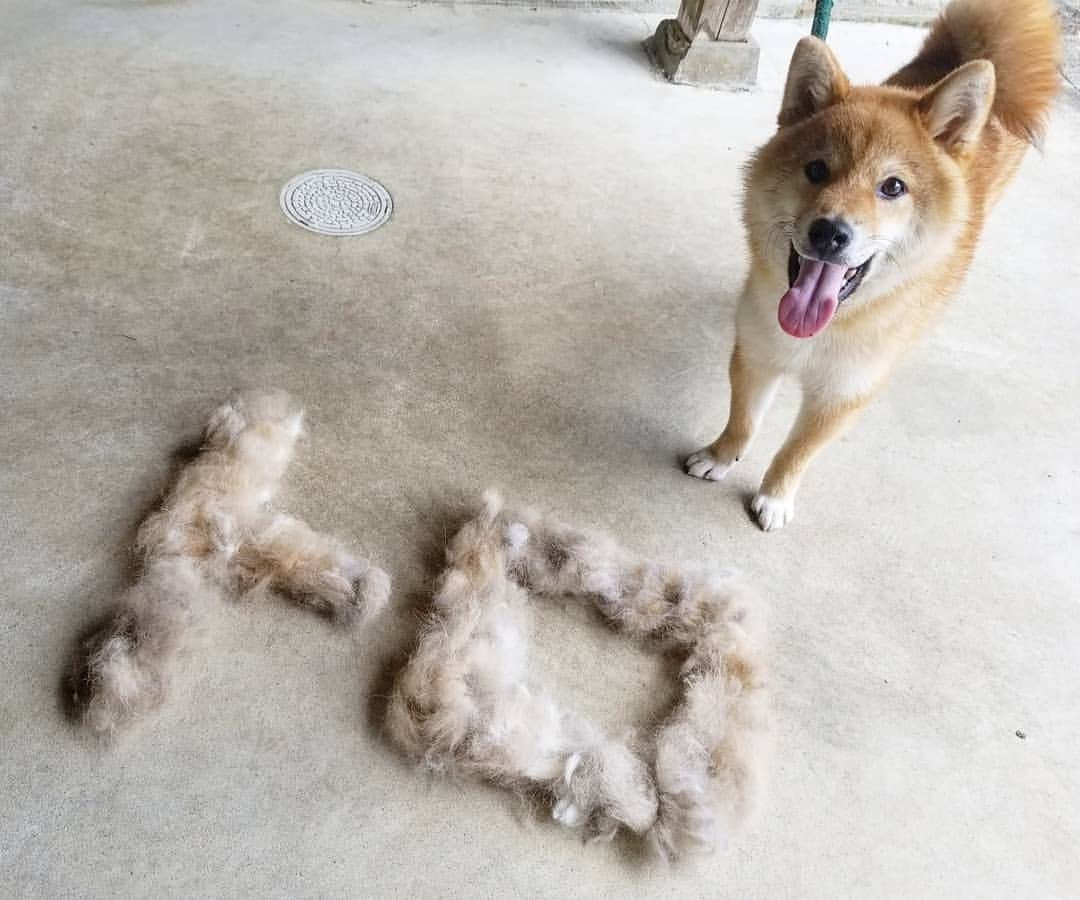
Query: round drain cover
<point>336,201</point>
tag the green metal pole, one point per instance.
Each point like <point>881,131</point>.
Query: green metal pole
<point>822,14</point>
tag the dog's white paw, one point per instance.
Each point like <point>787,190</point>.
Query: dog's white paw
<point>706,466</point>
<point>773,513</point>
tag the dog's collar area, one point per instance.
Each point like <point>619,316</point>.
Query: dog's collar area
<point>852,279</point>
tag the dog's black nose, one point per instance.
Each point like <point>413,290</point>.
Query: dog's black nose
<point>829,236</point>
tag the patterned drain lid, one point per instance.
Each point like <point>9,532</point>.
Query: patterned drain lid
<point>336,201</point>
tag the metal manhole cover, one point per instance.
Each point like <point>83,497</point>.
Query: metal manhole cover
<point>336,201</point>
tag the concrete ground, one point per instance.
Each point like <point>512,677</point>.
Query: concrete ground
<point>548,311</point>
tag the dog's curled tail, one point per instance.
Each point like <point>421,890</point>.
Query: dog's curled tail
<point>1022,38</point>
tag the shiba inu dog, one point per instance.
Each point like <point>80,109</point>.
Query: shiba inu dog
<point>863,212</point>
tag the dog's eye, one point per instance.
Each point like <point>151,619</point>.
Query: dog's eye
<point>891,188</point>
<point>816,172</point>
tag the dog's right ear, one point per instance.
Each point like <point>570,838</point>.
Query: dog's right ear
<point>815,80</point>
<point>957,107</point>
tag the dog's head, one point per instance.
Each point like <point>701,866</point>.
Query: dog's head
<point>861,188</point>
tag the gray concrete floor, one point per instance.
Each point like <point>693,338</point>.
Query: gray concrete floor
<point>549,311</point>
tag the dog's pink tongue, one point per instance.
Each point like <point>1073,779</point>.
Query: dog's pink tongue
<point>811,301</point>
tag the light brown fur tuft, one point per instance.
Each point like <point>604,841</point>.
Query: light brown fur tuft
<point>1021,38</point>
<point>215,531</point>
<point>465,703</point>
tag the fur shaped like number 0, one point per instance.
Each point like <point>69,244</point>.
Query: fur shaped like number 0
<point>464,703</point>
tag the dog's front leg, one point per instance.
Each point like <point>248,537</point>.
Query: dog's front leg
<point>818,423</point>
<point>753,387</point>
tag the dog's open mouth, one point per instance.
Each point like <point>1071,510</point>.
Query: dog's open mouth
<point>815,290</point>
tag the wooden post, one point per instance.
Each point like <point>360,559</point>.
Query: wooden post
<point>708,44</point>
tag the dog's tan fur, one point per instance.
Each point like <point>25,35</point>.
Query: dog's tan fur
<point>216,532</point>
<point>954,125</point>
<point>465,704</point>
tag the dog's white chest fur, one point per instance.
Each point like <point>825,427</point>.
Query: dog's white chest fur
<point>830,363</point>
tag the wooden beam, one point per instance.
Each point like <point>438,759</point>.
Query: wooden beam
<point>719,20</point>
<point>708,44</point>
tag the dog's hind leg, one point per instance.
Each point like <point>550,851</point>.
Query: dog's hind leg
<point>752,390</point>
<point>818,424</point>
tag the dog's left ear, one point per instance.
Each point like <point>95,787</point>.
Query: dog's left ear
<point>815,80</point>
<point>957,107</point>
